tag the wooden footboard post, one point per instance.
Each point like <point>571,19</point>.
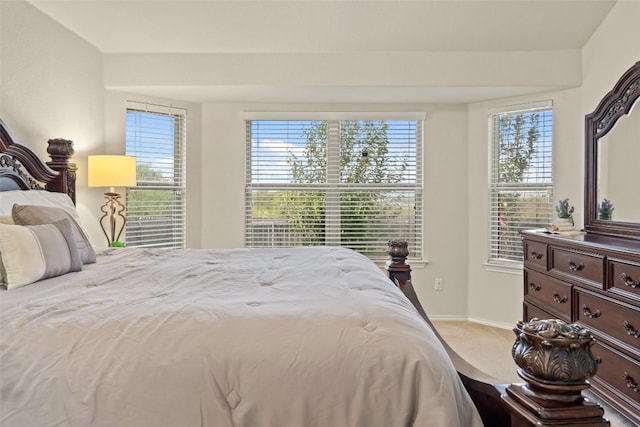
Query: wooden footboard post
<point>400,272</point>
<point>554,358</point>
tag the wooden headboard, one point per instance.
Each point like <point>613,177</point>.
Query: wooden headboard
<point>22,169</point>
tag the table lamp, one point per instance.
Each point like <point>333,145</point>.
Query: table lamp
<point>112,171</point>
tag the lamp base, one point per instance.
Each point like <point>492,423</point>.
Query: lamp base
<point>112,209</point>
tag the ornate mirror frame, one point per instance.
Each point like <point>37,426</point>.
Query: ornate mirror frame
<point>614,105</point>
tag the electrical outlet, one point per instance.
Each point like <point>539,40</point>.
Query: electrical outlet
<point>439,284</point>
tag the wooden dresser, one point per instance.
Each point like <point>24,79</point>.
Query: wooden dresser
<point>593,280</point>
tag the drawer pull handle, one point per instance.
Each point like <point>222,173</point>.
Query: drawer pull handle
<point>560,300</point>
<point>536,255</point>
<point>629,281</point>
<point>598,360</point>
<point>575,267</point>
<point>534,287</point>
<point>631,383</point>
<point>590,314</point>
<point>631,331</point>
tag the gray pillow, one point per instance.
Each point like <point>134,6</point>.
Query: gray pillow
<point>36,215</point>
<point>36,252</point>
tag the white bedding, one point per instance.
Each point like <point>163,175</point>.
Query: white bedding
<point>249,337</point>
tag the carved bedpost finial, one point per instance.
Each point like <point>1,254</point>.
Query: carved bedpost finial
<point>399,271</point>
<point>398,250</point>
<point>555,360</point>
<point>60,150</point>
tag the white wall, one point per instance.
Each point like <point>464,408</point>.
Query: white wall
<point>609,53</point>
<point>51,87</point>
<point>496,297</point>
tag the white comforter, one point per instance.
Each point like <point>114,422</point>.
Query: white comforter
<point>250,337</point>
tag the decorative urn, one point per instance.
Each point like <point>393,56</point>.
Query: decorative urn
<point>553,351</point>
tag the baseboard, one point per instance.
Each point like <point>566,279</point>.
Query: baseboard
<point>492,323</point>
<point>445,318</point>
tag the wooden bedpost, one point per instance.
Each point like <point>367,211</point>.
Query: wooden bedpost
<point>400,272</point>
<point>554,358</point>
<point>60,151</point>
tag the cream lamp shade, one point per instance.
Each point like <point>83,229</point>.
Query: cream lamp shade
<point>111,171</point>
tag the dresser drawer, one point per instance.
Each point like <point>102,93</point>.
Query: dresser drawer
<point>550,294</point>
<point>587,268</point>
<point>605,316</point>
<point>618,377</point>
<point>535,255</point>
<point>624,278</point>
<point>533,311</point>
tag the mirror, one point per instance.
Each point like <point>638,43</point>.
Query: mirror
<point>617,157</point>
<point>612,138</point>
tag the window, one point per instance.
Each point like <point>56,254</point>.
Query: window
<point>156,205</point>
<point>521,184</point>
<point>352,183</point>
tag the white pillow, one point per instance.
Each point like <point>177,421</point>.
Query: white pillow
<point>36,197</point>
<point>35,252</point>
<point>40,198</point>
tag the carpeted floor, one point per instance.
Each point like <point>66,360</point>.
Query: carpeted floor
<point>489,349</point>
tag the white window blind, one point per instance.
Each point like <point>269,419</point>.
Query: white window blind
<point>521,185</point>
<point>156,206</point>
<point>353,183</point>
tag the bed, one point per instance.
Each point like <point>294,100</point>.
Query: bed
<point>240,337</point>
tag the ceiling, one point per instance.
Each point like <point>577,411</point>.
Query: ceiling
<point>212,27</point>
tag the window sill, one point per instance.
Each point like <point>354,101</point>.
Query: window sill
<point>508,268</point>
<point>418,263</point>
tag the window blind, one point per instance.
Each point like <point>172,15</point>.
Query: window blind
<point>155,135</point>
<point>353,183</point>
<point>521,185</point>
